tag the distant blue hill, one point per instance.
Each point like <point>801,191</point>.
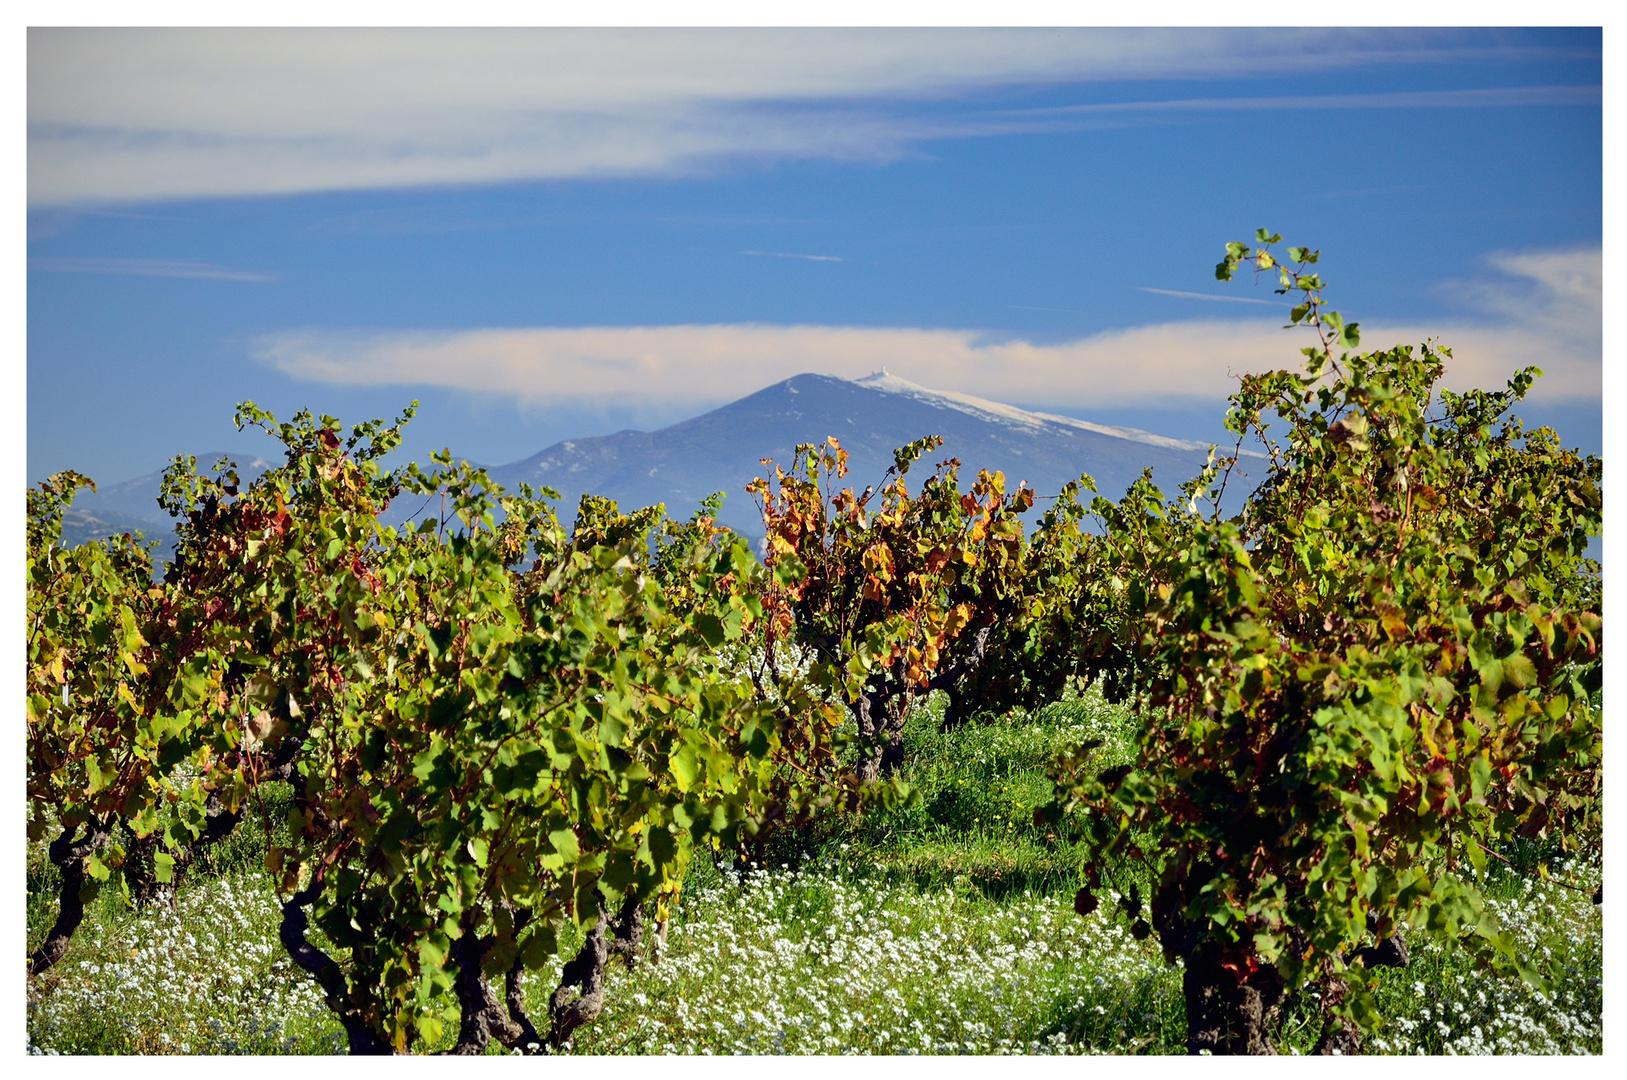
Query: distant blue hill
<point>132,506</point>
<point>721,450</point>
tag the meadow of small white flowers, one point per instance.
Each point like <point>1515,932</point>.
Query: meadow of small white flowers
<point>210,977</point>
<point>1437,1010</point>
<point>812,962</point>
<point>817,960</point>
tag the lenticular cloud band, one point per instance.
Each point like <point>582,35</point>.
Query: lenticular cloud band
<point>704,365</point>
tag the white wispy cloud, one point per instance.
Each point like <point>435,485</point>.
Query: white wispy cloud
<point>1211,296</point>
<point>1546,311</point>
<point>705,365</point>
<point>1401,99</point>
<point>1559,291</point>
<point>130,114</point>
<point>169,268</point>
<point>793,255</point>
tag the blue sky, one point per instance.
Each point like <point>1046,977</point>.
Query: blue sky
<point>546,235</point>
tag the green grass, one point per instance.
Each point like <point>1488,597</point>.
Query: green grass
<point>946,927</point>
<point>978,788</point>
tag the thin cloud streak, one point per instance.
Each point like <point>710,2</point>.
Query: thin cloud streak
<point>791,255</point>
<point>1211,296</point>
<point>1422,99</point>
<point>167,268</point>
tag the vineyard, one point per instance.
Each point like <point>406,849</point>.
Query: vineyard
<point>944,767</point>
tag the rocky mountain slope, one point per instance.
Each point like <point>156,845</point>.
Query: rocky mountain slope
<point>720,450</point>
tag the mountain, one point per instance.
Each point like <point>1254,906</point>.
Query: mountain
<point>79,526</point>
<point>720,450</point>
<point>132,506</point>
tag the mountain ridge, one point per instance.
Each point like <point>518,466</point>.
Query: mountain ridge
<point>722,450</point>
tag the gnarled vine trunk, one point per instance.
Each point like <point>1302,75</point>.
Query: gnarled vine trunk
<point>484,1017</point>
<point>884,708</point>
<point>352,1012</point>
<point>1229,1010</point>
<point>1232,1001</point>
<point>70,853</point>
<point>628,927</point>
<point>140,857</point>
<point>873,715</point>
<point>140,866</point>
<point>140,871</point>
<point>585,976</point>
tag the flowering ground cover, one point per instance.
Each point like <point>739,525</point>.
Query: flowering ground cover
<point>1438,1007</point>
<point>815,961</point>
<point>946,928</point>
<point>209,977</point>
<point>812,961</point>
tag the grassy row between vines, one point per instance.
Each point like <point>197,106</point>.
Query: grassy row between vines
<point>945,928</point>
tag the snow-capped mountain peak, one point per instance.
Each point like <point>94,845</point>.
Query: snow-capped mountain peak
<point>1010,415</point>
